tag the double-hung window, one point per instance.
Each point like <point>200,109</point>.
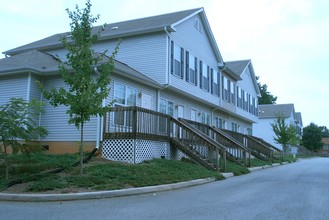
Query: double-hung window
<point>218,122</point>
<point>232,94</point>
<point>214,82</point>
<point>205,118</point>
<point>177,60</point>
<point>124,96</point>
<point>204,76</point>
<point>191,68</point>
<point>225,82</point>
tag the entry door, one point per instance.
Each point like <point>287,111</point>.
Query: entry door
<point>146,101</point>
<point>180,113</point>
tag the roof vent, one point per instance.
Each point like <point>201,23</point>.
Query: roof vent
<point>115,28</point>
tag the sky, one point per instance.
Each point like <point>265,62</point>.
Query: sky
<point>287,41</point>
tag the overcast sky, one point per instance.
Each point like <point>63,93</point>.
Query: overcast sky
<point>287,40</point>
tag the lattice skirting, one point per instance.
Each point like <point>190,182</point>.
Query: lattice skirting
<point>135,151</point>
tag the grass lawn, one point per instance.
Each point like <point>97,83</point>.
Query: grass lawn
<point>99,174</point>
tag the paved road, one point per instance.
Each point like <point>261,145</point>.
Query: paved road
<point>293,191</point>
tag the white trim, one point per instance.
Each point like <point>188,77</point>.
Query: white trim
<point>28,92</point>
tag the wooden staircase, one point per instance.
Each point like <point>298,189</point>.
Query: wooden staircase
<point>235,151</point>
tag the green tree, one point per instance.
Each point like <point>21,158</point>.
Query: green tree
<point>324,131</point>
<point>285,134</point>
<point>312,136</point>
<point>86,90</point>
<point>19,121</point>
<point>266,96</point>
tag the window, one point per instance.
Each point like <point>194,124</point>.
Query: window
<point>124,95</point>
<point>177,60</point>
<point>214,82</point>
<point>218,122</point>
<point>239,97</point>
<point>204,76</point>
<point>232,94</point>
<point>234,127</point>
<point>225,86</point>
<point>205,118</point>
<point>245,101</point>
<point>191,68</point>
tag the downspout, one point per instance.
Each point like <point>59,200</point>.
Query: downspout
<point>221,68</point>
<point>98,131</point>
<point>167,69</point>
<point>28,96</point>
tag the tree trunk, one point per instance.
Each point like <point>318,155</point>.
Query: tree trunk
<point>81,150</point>
<point>6,162</point>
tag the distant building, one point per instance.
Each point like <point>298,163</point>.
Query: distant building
<point>325,148</point>
<point>268,114</point>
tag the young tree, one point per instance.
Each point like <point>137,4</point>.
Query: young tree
<point>19,121</point>
<point>312,136</point>
<point>87,88</point>
<point>266,96</point>
<point>285,134</point>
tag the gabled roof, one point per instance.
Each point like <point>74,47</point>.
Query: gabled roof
<point>43,63</point>
<point>231,73</point>
<point>29,61</point>
<point>274,110</point>
<point>239,66</point>
<point>127,28</point>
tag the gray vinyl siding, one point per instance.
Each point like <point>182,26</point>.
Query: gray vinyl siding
<point>198,45</point>
<point>13,86</point>
<point>139,89</point>
<point>188,104</point>
<point>248,86</point>
<point>145,53</point>
<point>34,89</point>
<point>55,119</point>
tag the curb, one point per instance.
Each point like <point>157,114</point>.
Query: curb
<point>101,194</point>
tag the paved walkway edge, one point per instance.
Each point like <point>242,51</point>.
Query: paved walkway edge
<point>101,194</point>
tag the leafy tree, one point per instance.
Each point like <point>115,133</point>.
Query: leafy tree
<point>312,136</point>
<point>266,96</point>
<point>86,90</point>
<point>324,131</point>
<point>19,121</point>
<point>285,134</point>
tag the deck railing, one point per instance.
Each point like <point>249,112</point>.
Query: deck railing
<point>139,123</point>
<point>235,150</point>
<point>277,153</point>
<point>257,149</point>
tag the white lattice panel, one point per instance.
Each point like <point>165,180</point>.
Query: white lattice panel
<point>124,150</point>
<point>118,150</point>
<point>147,150</point>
